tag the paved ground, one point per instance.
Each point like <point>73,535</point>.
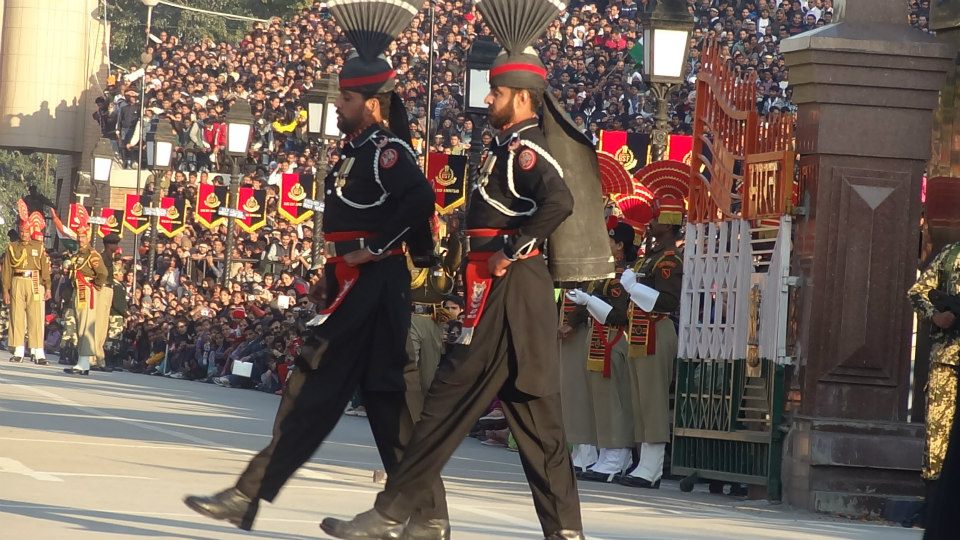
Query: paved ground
<point>110,457</point>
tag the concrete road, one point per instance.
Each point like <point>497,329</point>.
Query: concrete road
<point>111,456</point>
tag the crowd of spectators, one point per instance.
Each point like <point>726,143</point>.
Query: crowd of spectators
<point>199,313</point>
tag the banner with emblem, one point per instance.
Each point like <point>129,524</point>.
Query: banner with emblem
<point>113,222</point>
<point>680,148</point>
<point>210,199</point>
<point>632,150</point>
<point>135,218</point>
<point>174,218</point>
<point>294,190</point>
<point>448,175</point>
<point>253,203</point>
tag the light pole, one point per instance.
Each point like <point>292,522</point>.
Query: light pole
<point>666,42</point>
<point>143,85</point>
<point>479,61</point>
<point>159,158</point>
<point>239,128</point>
<point>101,166</point>
<point>322,126</point>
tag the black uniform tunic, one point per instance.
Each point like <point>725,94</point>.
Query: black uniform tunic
<point>513,351</point>
<point>362,342</point>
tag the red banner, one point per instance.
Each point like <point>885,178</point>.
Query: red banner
<point>134,216</point>
<point>294,190</point>
<point>630,149</point>
<point>114,222</point>
<point>253,203</point>
<point>448,175</point>
<point>174,218</point>
<point>680,148</point>
<point>210,199</point>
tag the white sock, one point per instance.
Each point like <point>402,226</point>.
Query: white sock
<point>20,351</point>
<point>612,460</point>
<point>83,363</point>
<point>38,353</point>
<point>584,455</point>
<point>650,467</point>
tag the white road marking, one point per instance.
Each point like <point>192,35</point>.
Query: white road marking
<point>12,466</point>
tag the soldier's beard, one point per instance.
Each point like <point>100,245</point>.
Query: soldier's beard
<point>502,116</point>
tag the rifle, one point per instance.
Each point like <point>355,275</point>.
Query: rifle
<point>943,301</point>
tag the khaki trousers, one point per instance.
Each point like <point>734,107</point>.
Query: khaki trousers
<point>104,300</point>
<point>26,314</point>
<point>86,324</point>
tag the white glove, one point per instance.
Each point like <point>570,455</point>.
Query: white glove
<point>598,309</point>
<point>628,279</point>
<point>578,297</point>
<point>641,295</point>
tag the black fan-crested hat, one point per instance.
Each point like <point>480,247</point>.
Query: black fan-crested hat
<point>371,25</point>
<point>516,24</point>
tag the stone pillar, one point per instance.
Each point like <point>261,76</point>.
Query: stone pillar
<point>866,88</point>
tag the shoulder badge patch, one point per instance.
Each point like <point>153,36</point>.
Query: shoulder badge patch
<point>388,158</point>
<point>527,159</point>
<point>616,291</point>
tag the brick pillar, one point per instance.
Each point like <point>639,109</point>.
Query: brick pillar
<point>866,88</point>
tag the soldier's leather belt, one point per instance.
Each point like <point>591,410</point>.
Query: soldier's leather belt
<point>340,243</point>
<point>24,273</point>
<point>488,240</point>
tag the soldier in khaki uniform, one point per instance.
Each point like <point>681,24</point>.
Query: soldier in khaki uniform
<point>609,378</point>
<point>654,285</point>
<point>104,302</point>
<point>89,276</point>
<point>26,286</point>
<point>943,275</point>
<point>579,423</point>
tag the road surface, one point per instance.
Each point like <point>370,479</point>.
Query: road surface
<point>112,455</point>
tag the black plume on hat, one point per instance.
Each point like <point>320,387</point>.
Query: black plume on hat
<point>516,24</point>
<point>371,25</point>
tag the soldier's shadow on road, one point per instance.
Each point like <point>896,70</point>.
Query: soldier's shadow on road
<point>134,525</point>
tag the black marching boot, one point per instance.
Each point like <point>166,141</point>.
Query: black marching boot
<point>370,525</point>
<point>228,505</point>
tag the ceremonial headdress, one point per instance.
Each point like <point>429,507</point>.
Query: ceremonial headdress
<point>516,23</point>
<point>371,25</point>
<point>79,220</point>
<point>32,222</point>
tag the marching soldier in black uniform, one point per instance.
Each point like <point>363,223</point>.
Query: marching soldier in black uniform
<point>508,345</point>
<point>376,199</point>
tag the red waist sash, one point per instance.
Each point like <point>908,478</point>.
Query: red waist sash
<point>345,274</point>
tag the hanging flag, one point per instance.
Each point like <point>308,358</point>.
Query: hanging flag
<point>113,222</point>
<point>680,148</point>
<point>295,189</point>
<point>253,203</point>
<point>210,199</point>
<point>448,175</point>
<point>135,218</point>
<point>632,150</point>
<point>174,218</point>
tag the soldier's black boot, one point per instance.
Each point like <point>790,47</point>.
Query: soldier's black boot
<point>228,505</point>
<point>426,529</point>
<point>16,359</point>
<point>566,534</point>
<point>370,525</point>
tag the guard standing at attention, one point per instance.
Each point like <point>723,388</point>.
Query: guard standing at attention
<point>508,344</point>
<point>376,200</point>
<point>89,276</point>
<point>26,286</point>
<point>654,285</point>
<point>606,307</point>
